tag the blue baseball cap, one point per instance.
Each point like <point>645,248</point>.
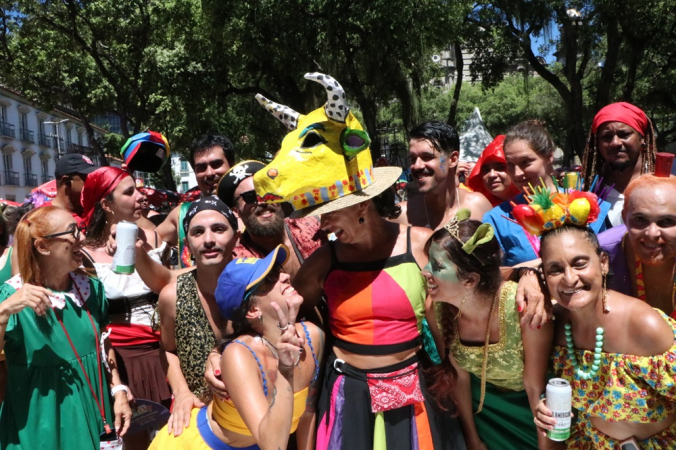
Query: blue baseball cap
<point>241,276</point>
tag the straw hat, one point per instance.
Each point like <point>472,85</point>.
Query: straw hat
<point>383,178</point>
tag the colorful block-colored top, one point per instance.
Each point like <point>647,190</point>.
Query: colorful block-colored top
<point>505,357</point>
<point>639,389</point>
<point>376,308</point>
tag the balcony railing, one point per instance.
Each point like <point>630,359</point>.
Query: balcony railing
<point>7,129</point>
<point>27,135</point>
<point>81,149</point>
<point>31,179</point>
<point>43,140</point>
<point>11,178</point>
<point>46,178</point>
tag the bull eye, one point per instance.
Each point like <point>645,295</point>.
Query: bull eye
<point>354,141</point>
<point>312,139</point>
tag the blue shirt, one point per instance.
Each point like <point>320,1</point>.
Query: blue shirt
<point>515,245</point>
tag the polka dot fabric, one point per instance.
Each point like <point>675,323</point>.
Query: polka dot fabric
<point>58,299</point>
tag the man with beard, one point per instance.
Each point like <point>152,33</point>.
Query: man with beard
<point>265,225</point>
<point>643,251</point>
<point>621,148</point>
<point>191,323</point>
<point>211,156</point>
<point>433,154</point>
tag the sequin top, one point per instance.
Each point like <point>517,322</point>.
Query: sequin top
<point>639,389</point>
<point>505,357</point>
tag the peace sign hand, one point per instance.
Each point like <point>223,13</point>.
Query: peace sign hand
<point>289,345</point>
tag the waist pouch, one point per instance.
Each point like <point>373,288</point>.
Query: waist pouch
<point>391,389</point>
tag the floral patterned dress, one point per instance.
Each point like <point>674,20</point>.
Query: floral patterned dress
<point>640,389</point>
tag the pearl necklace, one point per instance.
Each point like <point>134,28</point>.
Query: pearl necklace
<point>584,374</point>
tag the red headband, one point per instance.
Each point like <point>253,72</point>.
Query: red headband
<point>622,112</point>
<point>98,184</point>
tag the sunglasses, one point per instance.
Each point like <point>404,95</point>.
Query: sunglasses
<point>249,197</point>
<point>74,230</point>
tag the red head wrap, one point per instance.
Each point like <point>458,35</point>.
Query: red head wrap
<point>98,184</point>
<point>622,112</point>
<point>494,152</point>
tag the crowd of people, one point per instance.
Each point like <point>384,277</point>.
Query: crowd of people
<point>308,308</point>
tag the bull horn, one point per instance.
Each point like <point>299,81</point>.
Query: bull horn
<point>286,115</point>
<point>336,107</point>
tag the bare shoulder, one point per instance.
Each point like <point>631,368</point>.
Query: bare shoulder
<point>420,235</point>
<point>315,267</point>
<point>476,202</point>
<point>167,299</point>
<point>651,333</point>
<point>167,230</point>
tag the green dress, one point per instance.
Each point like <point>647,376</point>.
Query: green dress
<point>49,404</point>
<point>506,420</point>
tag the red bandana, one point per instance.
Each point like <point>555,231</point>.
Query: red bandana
<point>494,152</point>
<point>622,112</point>
<point>98,184</point>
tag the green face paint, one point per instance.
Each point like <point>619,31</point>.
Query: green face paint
<point>440,266</point>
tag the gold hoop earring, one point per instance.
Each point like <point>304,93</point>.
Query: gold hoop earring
<point>464,299</point>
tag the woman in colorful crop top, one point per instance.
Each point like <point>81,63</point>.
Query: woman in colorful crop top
<point>504,363</point>
<point>374,393</point>
<point>269,365</point>
<point>617,353</point>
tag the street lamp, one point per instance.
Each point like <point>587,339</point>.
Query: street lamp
<point>56,127</point>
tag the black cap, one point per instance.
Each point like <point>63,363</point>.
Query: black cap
<point>237,173</point>
<point>73,163</point>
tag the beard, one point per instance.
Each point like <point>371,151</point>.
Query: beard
<point>274,227</point>
<point>621,166</point>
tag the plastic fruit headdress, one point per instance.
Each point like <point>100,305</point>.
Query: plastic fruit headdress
<point>325,156</point>
<point>546,211</point>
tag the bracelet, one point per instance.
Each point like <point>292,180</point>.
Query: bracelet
<point>120,387</point>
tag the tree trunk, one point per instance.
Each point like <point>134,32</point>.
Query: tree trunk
<point>93,142</point>
<point>459,65</point>
<point>168,176</point>
<point>614,40</point>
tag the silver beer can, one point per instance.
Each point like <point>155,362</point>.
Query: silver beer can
<point>125,255</point>
<point>559,401</point>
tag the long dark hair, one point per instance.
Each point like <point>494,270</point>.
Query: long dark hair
<point>484,261</point>
<point>96,228</point>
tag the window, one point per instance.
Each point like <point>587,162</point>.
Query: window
<point>45,168</point>
<point>68,137</point>
<point>23,120</point>
<point>184,187</point>
<point>7,159</point>
<point>184,165</point>
<point>27,165</point>
<point>3,113</point>
<point>79,139</point>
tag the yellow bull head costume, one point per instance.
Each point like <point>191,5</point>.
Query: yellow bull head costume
<point>325,157</point>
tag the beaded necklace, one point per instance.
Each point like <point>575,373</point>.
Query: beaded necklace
<point>584,374</point>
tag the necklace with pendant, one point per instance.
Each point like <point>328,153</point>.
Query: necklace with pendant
<point>274,351</point>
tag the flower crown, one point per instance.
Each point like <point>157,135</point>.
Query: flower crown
<point>547,211</point>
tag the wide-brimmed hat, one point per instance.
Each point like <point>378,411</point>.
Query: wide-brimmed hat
<point>383,178</point>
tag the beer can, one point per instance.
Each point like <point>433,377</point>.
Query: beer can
<point>125,255</point>
<point>559,401</point>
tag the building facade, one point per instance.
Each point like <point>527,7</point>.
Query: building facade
<point>183,169</point>
<point>31,140</point>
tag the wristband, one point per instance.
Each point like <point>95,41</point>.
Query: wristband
<point>120,387</point>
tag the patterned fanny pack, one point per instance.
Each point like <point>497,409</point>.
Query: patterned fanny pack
<point>388,390</point>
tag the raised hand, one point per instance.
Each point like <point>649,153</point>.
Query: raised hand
<point>29,296</point>
<point>289,345</point>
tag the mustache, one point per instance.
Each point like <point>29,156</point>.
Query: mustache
<point>212,249</point>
